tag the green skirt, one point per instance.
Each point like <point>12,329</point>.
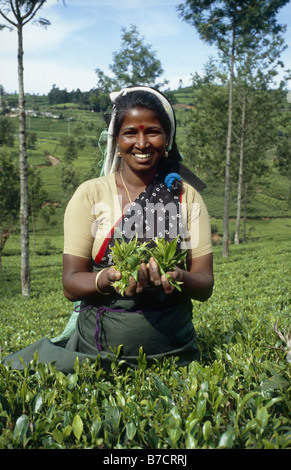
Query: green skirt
<point>160,324</point>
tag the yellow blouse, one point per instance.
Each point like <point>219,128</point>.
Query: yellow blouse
<point>95,208</point>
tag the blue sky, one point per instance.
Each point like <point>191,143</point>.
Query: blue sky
<point>84,34</point>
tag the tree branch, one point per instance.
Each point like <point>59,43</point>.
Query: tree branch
<point>13,10</point>
<point>7,19</point>
<point>31,14</point>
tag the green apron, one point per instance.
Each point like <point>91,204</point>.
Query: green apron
<point>161,324</point>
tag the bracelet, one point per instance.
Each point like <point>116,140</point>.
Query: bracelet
<point>180,278</point>
<point>96,283</point>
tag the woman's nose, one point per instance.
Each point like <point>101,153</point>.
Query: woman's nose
<point>141,140</point>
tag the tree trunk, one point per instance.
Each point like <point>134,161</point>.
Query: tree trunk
<point>225,244</point>
<point>245,213</point>
<point>24,202</point>
<point>240,173</point>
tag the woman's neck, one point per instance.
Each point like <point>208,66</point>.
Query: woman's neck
<point>136,181</point>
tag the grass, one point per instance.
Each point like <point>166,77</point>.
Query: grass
<point>237,396</point>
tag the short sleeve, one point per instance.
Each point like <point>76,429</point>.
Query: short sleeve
<point>78,222</point>
<point>198,239</point>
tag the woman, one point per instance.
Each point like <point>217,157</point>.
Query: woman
<point>140,193</point>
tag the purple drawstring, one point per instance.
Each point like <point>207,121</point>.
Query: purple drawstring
<point>78,309</point>
<point>100,311</point>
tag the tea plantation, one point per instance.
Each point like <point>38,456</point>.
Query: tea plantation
<point>237,397</point>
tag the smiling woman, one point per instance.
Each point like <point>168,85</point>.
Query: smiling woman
<point>142,195</point>
<point>142,142</point>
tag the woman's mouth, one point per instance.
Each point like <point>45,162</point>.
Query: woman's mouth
<point>142,155</point>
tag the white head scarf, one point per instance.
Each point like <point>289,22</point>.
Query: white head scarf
<point>112,162</point>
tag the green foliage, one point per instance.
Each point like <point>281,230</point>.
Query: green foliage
<point>283,155</point>
<point>236,397</point>
<point>7,130</point>
<point>204,145</point>
<point>9,188</point>
<point>10,197</point>
<point>134,64</point>
<point>216,21</point>
<point>167,259</point>
<point>70,182</point>
<point>128,257</point>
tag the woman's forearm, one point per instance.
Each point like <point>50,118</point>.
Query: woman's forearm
<point>79,282</point>
<point>198,286</point>
<point>199,280</point>
<point>79,286</point>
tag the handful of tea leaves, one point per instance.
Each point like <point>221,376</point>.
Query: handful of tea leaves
<point>164,254</point>
<point>128,257</point>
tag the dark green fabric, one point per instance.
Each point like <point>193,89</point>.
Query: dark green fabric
<point>163,328</point>
<point>48,352</point>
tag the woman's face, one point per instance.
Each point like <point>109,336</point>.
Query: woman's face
<point>142,140</point>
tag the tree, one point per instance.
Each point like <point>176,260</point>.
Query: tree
<point>31,140</point>
<point>10,197</point>
<point>234,26</point>
<point>57,96</point>
<point>257,106</point>
<point>6,132</point>
<point>17,13</point>
<point>135,64</point>
<point>207,123</point>
<point>70,181</point>
<point>283,157</point>
<point>37,196</point>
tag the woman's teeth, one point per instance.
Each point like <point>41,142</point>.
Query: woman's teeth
<point>142,155</point>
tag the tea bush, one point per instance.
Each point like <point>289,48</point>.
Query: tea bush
<point>237,397</point>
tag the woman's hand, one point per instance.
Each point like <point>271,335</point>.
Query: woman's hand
<point>197,281</point>
<point>135,287</point>
<point>106,279</point>
<point>150,272</point>
<point>161,280</point>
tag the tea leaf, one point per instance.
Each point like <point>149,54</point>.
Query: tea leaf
<point>130,430</point>
<point>58,436</point>
<point>227,438</point>
<point>162,387</point>
<point>21,427</point>
<point>77,426</point>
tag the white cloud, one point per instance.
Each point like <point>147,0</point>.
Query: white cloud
<point>37,39</point>
<point>39,77</point>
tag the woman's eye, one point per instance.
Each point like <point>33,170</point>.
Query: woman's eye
<point>133,132</point>
<point>154,132</point>
<point>129,133</point>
